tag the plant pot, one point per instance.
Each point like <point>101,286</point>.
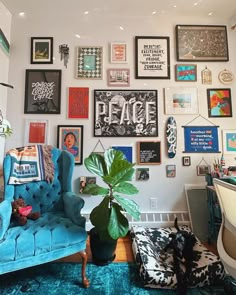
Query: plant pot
<point>103,251</point>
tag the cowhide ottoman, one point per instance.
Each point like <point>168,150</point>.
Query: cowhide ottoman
<point>156,266</point>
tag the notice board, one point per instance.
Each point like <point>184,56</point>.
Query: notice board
<point>149,152</point>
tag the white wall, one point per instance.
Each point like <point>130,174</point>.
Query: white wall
<point>100,31</point>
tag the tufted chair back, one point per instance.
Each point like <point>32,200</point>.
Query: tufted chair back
<point>43,196</point>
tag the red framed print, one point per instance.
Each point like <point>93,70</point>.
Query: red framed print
<point>219,102</point>
<point>36,132</point>
<point>78,103</point>
<point>119,53</point>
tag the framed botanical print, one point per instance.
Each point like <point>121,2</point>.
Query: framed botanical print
<point>219,102</point>
<point>118,52</point>
<point>78,103</point>
<point>41,50</point>
<point>70,138</point>
<point>36,132</point>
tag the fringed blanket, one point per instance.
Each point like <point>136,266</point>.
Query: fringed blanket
<point>31,163</point>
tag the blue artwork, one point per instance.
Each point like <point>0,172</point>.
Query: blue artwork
<point>126,150</point>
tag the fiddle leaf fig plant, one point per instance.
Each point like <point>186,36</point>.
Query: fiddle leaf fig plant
<point>116,172</point>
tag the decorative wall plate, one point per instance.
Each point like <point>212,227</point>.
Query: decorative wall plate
<point>226,77</point>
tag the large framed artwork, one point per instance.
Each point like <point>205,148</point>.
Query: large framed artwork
<point>229,141</point>
<point>70,138</point>
<point>219,102</point>
<point>42,92</point>
<point>78,103</point>
<point>41,50</point>
<point>201,43</point>
<point>125,113</point>
<point>152,58</point>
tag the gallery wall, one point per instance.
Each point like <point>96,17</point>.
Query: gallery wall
<point>102,31</point>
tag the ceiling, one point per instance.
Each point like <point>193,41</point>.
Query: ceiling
<point>224,10</point>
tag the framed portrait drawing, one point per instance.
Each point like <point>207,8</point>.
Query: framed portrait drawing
<point>118,77</point>
<point>118,53</point>
<point>201,43</point>
<point>125,113</point>
<point>149,153</point>
<point>185,73</point>
<point>181,100</point>
<point>42,92</point>
<point>219,102</point>
<point>36,132</point>
<point>229,141</point>
<point>89,62</point>
<point>41,50</point>
<point>70,138</point>
<point>78,103</point>
<point>152,58</point>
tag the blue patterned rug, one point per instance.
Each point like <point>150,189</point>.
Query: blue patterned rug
<point>65,279</point>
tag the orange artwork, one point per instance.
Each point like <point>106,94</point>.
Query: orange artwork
<point>37,132</point>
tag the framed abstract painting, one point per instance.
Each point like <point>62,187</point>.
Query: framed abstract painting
<point>219,102</point>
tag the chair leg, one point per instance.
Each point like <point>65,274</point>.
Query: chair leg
<point>84,256</point>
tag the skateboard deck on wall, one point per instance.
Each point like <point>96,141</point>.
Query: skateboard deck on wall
<point>171,137</point>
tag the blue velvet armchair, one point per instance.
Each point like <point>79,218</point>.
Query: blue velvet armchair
<point>60,230</point>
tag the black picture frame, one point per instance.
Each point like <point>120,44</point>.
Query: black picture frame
<point>219,102</point>
<point>125,113</point>
<point>201,43</point>
<point>186,161</point>
<point>152,57</point>
<point>41,50</point>
<point>42,91</point>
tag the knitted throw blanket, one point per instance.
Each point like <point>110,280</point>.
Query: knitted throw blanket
<point>31,163</point>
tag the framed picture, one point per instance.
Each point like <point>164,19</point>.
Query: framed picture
<point>84,180</point>
<point>201,43</point>
<point>89,62</point>
<point>149,152</point>
<point>42,92</point>
<point>219,102</point>
<point>186,161</point>
<point>126,150</point>
<point>152,58</point>
<point>4,44</point>
<point>229,141</point>
<point>170,170</point>
<point>125,113</point>
<point>36,132</point>
<point>41,50</point>
<point>70,138</point>
<point>118,77</point>
<point>118,53</point>
<point>78,103</point>
<point>181,100</point>
<point>185,73</point>
<point>202,170</point>
<point>142,174</point>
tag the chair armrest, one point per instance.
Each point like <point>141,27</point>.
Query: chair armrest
<point>5,216</point>
<point>73,204</point>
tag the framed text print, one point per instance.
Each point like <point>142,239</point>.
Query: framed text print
<point>119,53</point>
<point>149,152</point>
<point>219,102</point>
<point>78,103</point>
<point>41,50</point>
<point>229,141</point>
<point>152,58</point>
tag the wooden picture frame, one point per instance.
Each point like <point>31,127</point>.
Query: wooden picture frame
<point>149,153</point>
<point>125,113</point>
<point>118,52</point>
<point>219,102</point>
<point>42,91</point>
<point>36,132</point>
<point>70,138</point>
<point>152,57</point>
<point>89,62</point>
<point>41,50</point>
<point>201,43</point>
<point>202,170</point>
<point>186,161</point>
<point>118,77</point>
<point>229,141</point>
<point>78,103</point>
<point>185,73</point>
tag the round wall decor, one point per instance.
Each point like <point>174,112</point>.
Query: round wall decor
<point>226,77</point>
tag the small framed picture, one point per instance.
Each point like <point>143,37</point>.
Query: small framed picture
<point>84,180</point>
<point>219,102</point>
<point>142,174</point>
<point>118,77</point>
<point>186,161</point>
<point>185,73</point>
<point>70,138</point>
<point>202,170</point>
<point>229,141</point>
<point>41,50</point>
<point>118,53</point>
<point>170,170</point>
<point>36,132</point>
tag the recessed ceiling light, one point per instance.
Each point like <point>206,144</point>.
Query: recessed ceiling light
<point>174,6</point>
<point>121,28</point>
<point>195,4</point>
<point>77,35</point>
<point>86,12</point>
<point>21,14</point>
<point>154,12</point>
<point>210,13</point>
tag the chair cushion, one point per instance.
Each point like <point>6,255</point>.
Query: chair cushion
<point>156,266</point>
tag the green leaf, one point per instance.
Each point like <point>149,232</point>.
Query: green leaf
<point>125,188</point>
<point>100,215</point>
<point>120,172</point>
<point>112,155</point>
<point>118,224</point>
<point>95,164</point>
<point>129,206</point>
<point>94,189</point>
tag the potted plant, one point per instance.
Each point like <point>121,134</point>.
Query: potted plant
<point>108,217</point>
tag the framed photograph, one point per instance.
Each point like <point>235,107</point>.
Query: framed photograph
<point>89,62</point>
<point>125,113</point>
<point>149,152</point>
<point>181,100</point>
<point>219,102</point>
<point>42,92</point>
<point>78,103</point>
<point>229,141</point>
<point>41,50</point>
<point>70,138</point>
<point>170,170</point>
<point>201,43</point>
<point>84,180</point>
<point>126,150</point>
<point>152,58</point>
<point>118,77</point>
<point>118,53</point>
<point>185,73</point>
<point>186,161</point>
<point>36,132</point>
<point>142,174</point>
<point>202,170</point>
